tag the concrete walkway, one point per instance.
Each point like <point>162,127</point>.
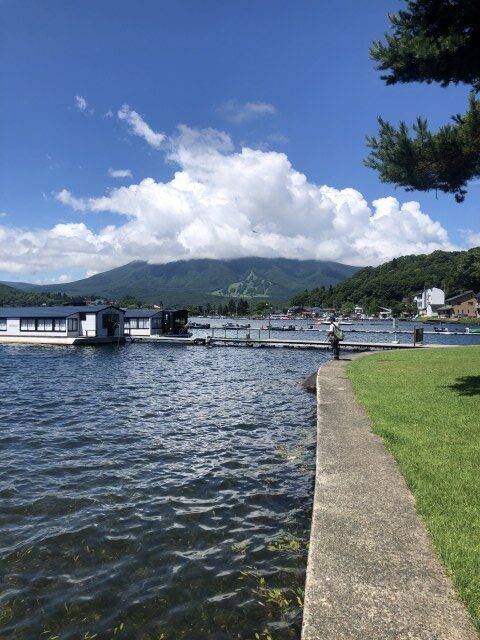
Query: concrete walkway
<point>372,572</point>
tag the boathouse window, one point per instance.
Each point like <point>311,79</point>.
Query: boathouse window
<point>156,323</point>
<point>27,324</point>
<point>59,324</point>
<point>73,324</point>
<point>3,324</point>
<point>44,324</point>
<point>137,323</point>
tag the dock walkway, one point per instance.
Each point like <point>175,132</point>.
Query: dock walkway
<point>372,573</point>
<point>306,344</point>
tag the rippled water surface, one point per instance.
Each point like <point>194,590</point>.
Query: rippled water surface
<point>154,492</point>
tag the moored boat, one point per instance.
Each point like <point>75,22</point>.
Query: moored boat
<point>233,325</point>
<point>473,330</point>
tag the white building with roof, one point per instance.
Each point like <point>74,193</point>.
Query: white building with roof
<point>144,323</point>
<point>62,325</point>
<point>429,301</point>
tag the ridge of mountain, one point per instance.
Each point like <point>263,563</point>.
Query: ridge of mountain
<point>202,280</point>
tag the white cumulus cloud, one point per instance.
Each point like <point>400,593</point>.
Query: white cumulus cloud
<point>65,197</point>
<point>472,237</point>
<point>81,103</point>
<point>139,127</point>
<point>120,173</point>
<point>224,202</point>
<point>237,112</point>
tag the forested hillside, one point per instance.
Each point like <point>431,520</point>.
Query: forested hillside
<point>11,297</point>
<point>391,283</point>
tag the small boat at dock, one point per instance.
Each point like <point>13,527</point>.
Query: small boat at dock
<point>290,327</point>
<point>233,325</point>
<point>446,331</point>
<point>472,330</point>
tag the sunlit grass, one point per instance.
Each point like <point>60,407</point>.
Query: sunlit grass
<point>426,406</point>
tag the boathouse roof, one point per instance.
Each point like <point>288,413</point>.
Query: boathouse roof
<point>50,312</point>
<point>141,313</point>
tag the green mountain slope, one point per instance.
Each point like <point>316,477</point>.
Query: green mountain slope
<point>12,297</point>
<point>390,283</point>
<point>250,287</point>
<point>197,281</point>
<point>23,286</point>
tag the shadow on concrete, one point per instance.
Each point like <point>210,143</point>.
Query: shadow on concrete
<point>466,386</point>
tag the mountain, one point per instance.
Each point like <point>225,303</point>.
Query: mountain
<point>390,283</point>
<point>23,286</point>
<point>203,280</point>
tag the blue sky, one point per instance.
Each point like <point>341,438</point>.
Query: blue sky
<point>291,78</point>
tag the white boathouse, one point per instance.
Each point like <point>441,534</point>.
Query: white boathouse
<point>146,323</point>
<point>62,325</point>
<point>143,322</point>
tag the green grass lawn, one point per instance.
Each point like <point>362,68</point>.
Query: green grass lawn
<point>426,406</point>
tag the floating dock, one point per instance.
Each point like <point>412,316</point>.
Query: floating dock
<point>167,339</point>
<point>247,341</point>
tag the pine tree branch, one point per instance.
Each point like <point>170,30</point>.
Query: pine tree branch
<point>444,161</point>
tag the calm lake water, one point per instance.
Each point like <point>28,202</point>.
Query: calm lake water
<point>154,492</point>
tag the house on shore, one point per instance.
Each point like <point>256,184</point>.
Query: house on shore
<point>298,311</point>
<point>429,301</point>
<point>385,313</point>
<point>308,312</point>
<point>144,323</point>
<point>62,325</point>
<point>462,305</point>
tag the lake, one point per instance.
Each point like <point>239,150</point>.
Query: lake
<point>154,492</point>
<point>159,492</point>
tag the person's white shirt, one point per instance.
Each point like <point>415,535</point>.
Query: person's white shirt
<point>333,326</point>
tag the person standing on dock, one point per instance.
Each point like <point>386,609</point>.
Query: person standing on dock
<point>335,334</point>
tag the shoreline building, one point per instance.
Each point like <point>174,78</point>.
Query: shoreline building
<point>145,323</point>
<point>62,325</point>
<point>429,301</point>
<point>463,304</point>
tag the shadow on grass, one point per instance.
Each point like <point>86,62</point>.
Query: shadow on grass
<point>466,386</point>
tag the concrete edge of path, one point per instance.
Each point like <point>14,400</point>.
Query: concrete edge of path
<point>372,572</point>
